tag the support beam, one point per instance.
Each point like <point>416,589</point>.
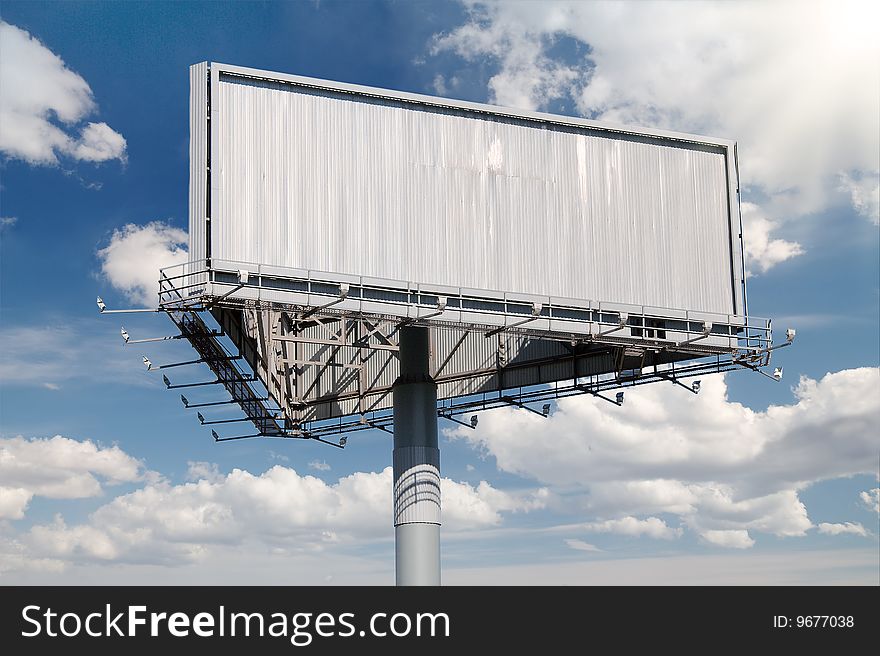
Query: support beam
<point>416,464</point>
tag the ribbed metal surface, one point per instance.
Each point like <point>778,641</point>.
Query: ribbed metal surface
<point>416,485</point>
<point>342,182</point>
<point>198,158</point>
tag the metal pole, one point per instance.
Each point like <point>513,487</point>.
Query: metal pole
<point>416,464</point>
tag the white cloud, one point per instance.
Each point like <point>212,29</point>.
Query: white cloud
<point>718,465</point>
<point>665,434</point>
<point>135,254</point>
<point>6,222</point>
<point>580,545</point>
<point>43,103</point>
<point>52,386</point>
<point>63,468</point>
<point>276,511</point>
<point>797,89</point>
<point>14,501</point>
<point>651,527</point>
<point>203,471</point>
<point>528,78</point>
<point>864,193</point>
<point>99,143</point>
<point>853,528</point>
<point>871,499</point>
<point>732,539</point>
<point>468,506</point>
<point>762,252</point>
<point>59,468</point>
<point>780,513</point>
<point>319,465</point>
<point>642,497</point>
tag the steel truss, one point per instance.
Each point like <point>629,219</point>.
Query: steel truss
<point>287,312</point>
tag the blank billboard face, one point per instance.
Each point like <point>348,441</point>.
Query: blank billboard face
<point>321,176</point>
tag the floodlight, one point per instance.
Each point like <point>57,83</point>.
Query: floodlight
<point>789,334</point>
<point>536,309</point>
<point>185,401</point>
<point>707,327</point>
<point>619,398</point>
<point>343,440</point>
<point>546,409</point>
<point>343,289</point>
<point>243,276</point>
<point>624,317</point>
<point>201,417</point>
<point>125,334</point>
<point>216,437</point>
<point>166,381</point>
<point>101,305</point>
<point>441,302</point>
<point>474,421</point>
<point>777,373</point>
<point>147,362</point>
<point>695,386</point>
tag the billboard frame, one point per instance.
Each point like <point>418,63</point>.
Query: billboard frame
<point>202,184</point>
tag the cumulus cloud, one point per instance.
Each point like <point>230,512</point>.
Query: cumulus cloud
<point>319,465</point>
<point>733,539</point>
<point>135,254</point>
<point>762,252</point>
<point>718,465</point>
<point>161,523</point>
<point>651,527</point>
<point>798,90</point>
<point>43,106</point>
<point>98,142</point>
<point>853,528</point>
<point>203,471</point>
<point>528,77</point>
<point>871,499</point>
<point>468,506</point>
<point>14,501</point>
<point>59,468</point>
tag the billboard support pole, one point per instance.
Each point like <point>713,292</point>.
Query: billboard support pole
<point>416,464</point>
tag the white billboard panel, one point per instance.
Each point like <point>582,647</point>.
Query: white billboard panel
<point>313,175</point>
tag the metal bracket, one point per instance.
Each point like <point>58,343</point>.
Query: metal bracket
<point>472,425</point>
<point>102,308</point>
<point>151,367</point>
<point>536,314</point>
<point>243,277</point>
<point>343,294</point>
<point>623,318</point>
<point>545,411</point>
<point>707,331</point>
<point>693,388</point>
<point>204,422</point>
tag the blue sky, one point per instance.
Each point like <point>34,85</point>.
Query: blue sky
<point>810,168</point>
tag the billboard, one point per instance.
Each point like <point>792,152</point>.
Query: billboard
<point>316,175</point>
<point>541,250</point>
